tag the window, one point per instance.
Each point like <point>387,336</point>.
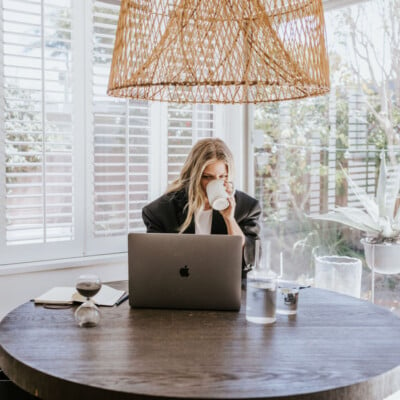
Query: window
<point>78,165</point>
<point>300,147</point>
<point>121,142</point>
<point>186,124</point>
<point>37,123</point>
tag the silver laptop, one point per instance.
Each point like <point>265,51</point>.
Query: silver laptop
<point>186,271</point>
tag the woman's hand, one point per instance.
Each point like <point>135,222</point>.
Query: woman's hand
<point>229,213</point>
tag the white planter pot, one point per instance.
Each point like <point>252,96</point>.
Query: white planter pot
<point>384,256</point>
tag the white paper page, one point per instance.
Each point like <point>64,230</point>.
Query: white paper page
<point>57,295</point>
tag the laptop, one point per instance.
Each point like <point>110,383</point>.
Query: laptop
<point>185,271</point>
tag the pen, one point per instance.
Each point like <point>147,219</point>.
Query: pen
<point>122,299</point>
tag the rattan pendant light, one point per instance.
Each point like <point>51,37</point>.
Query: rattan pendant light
<point>219,51</point>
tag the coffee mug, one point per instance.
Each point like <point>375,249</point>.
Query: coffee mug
<point>217,195</point>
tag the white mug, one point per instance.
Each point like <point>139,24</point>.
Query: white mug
<point>217,195</point>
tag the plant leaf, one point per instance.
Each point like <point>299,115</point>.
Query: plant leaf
<point>392,190</point>
<point>396,220</point>
<point>388,230</point>
<point>381,186</point>
<point>368,203</point>
<point>353,217</point>
<point>358,215</point>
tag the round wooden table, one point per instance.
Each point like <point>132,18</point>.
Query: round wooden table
<point>337,347</point>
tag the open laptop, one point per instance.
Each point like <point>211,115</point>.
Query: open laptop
<point>186,271</point>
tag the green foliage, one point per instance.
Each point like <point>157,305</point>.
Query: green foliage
<point>295,131</point>
<point>290,129</point>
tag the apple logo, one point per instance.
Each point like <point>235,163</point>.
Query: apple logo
<point>184,272</point>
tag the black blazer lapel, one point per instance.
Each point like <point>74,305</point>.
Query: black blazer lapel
<point>218,225</point>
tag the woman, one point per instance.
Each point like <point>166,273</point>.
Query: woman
<point>185,208</point>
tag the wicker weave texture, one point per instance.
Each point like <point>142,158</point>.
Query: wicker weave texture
<point>219,51</point>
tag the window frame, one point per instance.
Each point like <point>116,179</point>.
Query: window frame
<point>83,249</point>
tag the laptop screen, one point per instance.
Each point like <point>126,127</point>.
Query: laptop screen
<point>186,271</point>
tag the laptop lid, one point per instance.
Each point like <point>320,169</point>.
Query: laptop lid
<point>186,271</point>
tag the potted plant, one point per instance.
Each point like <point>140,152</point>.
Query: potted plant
<point>377,217</point>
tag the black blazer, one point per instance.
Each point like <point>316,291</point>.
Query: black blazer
<point>167,213</point>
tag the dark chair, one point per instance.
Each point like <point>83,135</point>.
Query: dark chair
<point>10,391</point>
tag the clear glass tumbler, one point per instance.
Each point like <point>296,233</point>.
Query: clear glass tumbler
<point>261,296</point>
<point>287,298</point>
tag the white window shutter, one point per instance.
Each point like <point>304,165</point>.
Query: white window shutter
<point>37,125</point>
<point>186,125</point>
<point>120,148</point>
<point>78,166</point>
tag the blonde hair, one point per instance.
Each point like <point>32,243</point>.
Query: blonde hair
<point>204,152</point>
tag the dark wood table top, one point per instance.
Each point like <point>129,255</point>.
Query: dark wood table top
<point>337,347</point>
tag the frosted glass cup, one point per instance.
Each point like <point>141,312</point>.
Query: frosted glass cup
<point>339,273</point>
<point>217,194</point>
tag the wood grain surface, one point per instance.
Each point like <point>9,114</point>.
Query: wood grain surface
<point>337,347</point>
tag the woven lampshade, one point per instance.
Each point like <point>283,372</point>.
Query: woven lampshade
<point>219,51</point>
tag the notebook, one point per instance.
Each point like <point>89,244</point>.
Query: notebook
<point>185,271</point>
<point>107,296</point>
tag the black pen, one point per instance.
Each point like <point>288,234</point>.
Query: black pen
<point>122,299</point>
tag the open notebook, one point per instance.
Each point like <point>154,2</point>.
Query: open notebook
<point>107,296</point>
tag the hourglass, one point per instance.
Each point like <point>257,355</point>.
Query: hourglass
<point>87,314</point>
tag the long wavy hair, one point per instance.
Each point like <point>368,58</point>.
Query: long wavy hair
<point>204,152</point>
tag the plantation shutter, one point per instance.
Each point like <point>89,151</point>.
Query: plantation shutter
<point>37,126</point>
<point>120,147</point>
<point>186,125</point>
<point>78,166</point>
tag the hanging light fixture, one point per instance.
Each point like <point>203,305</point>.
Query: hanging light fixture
<point>219,51</point>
